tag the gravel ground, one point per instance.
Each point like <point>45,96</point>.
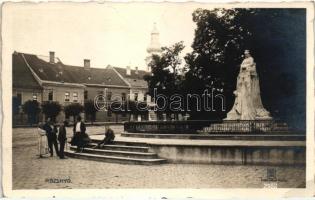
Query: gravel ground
<point>30,172</point>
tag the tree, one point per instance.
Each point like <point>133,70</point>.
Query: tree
<point>32,109</point>
<point>73,109</point>
<point>277,41</point>
<point>165,78</point>
<point>90,110</point>
<point>51,109</point>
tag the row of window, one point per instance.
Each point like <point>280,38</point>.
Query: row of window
<point>75,96</point>
<point>123,96</point>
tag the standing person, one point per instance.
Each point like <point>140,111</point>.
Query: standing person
<point>78,134</point>
<point>42,141</point>
<point>62,138</point>
<point>51,131</point>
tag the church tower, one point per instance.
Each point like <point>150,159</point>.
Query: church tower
<point>154,47</point>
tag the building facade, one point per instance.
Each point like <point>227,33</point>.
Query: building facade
<point>46,78</point>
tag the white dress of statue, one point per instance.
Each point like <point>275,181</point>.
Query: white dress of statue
<point>247,104</point>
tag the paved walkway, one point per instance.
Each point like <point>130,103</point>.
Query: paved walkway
<point>30,172</point>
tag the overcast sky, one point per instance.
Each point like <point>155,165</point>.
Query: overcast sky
<point>111,33</point>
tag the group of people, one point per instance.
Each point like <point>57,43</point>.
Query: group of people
<point>48,135</point>
<point>80,137</point>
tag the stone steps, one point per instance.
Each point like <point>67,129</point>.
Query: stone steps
<point>114,159</point>
<point>123,143</point>
<point>120,147</point>
<point>117,153</point>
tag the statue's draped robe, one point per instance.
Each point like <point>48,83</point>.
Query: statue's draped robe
<point>248,105</point>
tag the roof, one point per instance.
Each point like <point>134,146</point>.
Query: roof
<point>22,76</point>
<point>61,73</point>
<point>134,79</point>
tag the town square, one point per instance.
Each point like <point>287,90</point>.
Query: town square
<point>157,96</point>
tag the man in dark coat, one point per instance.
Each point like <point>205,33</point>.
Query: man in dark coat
<point>62,138</point>
<point>51,131</point>
<point>80,138</point>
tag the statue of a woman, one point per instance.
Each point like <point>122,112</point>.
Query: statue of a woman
<point>248,105</point>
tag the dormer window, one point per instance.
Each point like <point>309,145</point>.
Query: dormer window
<point>41,70</point>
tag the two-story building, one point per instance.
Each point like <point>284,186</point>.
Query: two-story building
<point>46,78</point>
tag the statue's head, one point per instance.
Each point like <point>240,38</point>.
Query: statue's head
<point>246,53</point>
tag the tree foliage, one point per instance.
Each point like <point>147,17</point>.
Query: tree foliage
<point>32,109</point>
<point>51,109</point>
<point>73,109</point>
<point>166,77</point>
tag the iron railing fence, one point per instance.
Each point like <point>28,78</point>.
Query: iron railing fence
<point>210,126</point>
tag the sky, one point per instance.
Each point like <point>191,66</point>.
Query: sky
<point>108,34</point>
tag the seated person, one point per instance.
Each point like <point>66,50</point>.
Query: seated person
<point>109,137</point>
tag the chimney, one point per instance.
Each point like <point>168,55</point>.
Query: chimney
<point>86,64</point>
<point>128,71</point>
<point>137,72</point>
<point>52,57</point>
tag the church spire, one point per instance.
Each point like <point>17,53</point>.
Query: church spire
<point>154,47</point>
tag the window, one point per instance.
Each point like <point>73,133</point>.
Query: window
<point>136,96</point>
<point>109,96</point>
<point>67,96</point>
<point>50,95</point>
<point>85,94</point>
<point>34,96</point>
<point>123,96</point>
<point>75,97</point>
<point>145,97</point>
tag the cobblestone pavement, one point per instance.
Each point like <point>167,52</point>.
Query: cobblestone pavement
<point>30,172</point>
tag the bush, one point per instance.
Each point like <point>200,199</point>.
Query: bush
<point>32,109</point>
<point>73,109</point>
<point>51,109</point>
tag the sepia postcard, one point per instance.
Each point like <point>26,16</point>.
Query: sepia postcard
<point>157,100</point>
